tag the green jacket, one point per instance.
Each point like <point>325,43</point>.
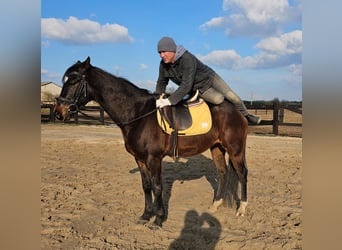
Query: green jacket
<point>188,73</point>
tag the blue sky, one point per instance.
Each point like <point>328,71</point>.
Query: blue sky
<point>255,45</point>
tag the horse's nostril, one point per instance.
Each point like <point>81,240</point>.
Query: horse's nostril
<point>73,108</point>
<point>58,115</point>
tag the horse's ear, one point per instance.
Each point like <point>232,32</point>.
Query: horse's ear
<point>87,61</point>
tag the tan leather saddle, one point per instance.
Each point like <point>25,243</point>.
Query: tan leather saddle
<point>178,120</point>
<point>178,116</point>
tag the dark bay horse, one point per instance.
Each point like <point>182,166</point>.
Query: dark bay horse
<point>134,110</point>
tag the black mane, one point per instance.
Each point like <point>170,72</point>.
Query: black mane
<point>121,80</point>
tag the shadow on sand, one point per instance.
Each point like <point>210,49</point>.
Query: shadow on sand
<point>194,168</point>
<point>199,232</point>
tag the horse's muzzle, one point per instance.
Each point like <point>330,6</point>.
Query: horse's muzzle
<point>61,112</point>
<point>58,115</point>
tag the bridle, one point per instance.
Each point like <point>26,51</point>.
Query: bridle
<point>81,89</point>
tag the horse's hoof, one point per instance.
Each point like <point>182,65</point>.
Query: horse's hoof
<point>158,222</point>
<point>242,208</point>
<point>141,221</point>
<point>216,204</point>
<point>146,216</point>
<point>154,227</point>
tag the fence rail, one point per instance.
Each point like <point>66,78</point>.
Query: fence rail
<point>273,112</point>
<point>90,115</point>
<point>277,120</point>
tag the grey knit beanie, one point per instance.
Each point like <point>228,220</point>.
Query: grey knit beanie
<point>167,44</point>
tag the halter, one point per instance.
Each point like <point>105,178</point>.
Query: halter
<point>82,87</point>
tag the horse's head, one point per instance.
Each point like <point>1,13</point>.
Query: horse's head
<point>75,92</point>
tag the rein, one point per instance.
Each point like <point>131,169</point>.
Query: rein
<point>136,119</point>
<point>120,123</point>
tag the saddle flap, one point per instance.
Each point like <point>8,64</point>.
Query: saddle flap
<point>187,118</point>
<point>181,117</point>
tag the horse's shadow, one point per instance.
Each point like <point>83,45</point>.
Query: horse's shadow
<point>194,168</point>
<point>191,169</point>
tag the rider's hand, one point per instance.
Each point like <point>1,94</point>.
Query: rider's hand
<point>160,103</point>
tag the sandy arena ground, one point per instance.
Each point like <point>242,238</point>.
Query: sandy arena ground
<point>91,195</point>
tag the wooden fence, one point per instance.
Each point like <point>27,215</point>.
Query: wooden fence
<point>278,114</point>
<point>92,115</point>
<point>272,114</point>
<point>46,112</point>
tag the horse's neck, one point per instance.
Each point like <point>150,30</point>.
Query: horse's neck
<point>120,102</point>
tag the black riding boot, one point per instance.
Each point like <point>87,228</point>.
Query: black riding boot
<point>253,119</point>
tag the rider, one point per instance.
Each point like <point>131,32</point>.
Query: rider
<point>190,74</point>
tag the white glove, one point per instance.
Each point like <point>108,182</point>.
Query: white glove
<point>162,103</point>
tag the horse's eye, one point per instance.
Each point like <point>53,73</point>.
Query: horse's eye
<point>65,79</point>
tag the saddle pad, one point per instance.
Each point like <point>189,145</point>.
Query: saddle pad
<point>201,121</point>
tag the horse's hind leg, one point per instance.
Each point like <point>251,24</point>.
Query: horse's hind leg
<point>218,156</point>
<point>239,163</point>
<point>229,178</point>
<point>147,187</point>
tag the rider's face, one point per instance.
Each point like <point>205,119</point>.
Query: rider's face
<point>167,56</point>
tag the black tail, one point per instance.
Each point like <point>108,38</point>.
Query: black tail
<point>230,187</point>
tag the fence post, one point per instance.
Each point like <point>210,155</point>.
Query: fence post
<point>52,115</point>
<point>275,116</point>
<point>281,115</point>
<point>76,117</point>
<point>101,115</point>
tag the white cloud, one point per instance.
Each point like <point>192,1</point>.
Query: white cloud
<point>261,11</point>
<point>296,69</point>
<point>143,66</point>
<point>280,51</point>
<point>295,78</point>
<point>238,25</point>
<point>215,22</point>
<point>83,31</point>
<point>221,58</point>
<point>43,71</point>
<point>49,76</point>
<point>288,43</point>
<point>117,70</point>
<point>254,18</point>
<point>150,84</point>
<point>262,60</point>
<point>264,19</point>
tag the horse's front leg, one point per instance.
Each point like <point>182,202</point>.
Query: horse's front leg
<point>154,165</point>
<point>147,187</point>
